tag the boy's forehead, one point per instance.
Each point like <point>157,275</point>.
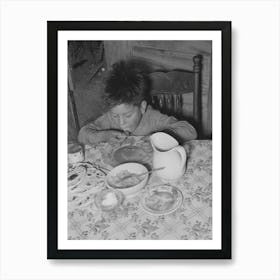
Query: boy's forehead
<point>123,108</point>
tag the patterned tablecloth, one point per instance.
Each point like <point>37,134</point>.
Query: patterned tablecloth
<point>192,220</point>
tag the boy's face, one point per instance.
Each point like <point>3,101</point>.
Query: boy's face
<point>128,116</point>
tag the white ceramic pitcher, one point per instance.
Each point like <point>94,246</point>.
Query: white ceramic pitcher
<point>168,154</point>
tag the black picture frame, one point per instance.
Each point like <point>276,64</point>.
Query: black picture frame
<point>53,27</point>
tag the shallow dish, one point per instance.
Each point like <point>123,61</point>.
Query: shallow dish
<point>131,185</point>
<point>75,176</point>
<point>129,154</point>
<point>163,199</point>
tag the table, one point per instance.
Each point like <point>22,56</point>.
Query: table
<point>191,221</point>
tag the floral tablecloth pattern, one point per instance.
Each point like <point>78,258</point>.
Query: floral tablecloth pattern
<point>191,221</point>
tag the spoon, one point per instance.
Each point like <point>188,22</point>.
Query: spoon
<point>141,174</point>
<point>127,134</point>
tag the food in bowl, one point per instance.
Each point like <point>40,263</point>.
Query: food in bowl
<point>128,178</point>
<point>109,200</point>
<point>161,199</point>
<point>124,179</point>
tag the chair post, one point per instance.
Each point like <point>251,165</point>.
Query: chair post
<point>72,101</point>
<point>197,92</point>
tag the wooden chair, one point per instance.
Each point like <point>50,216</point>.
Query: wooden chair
<point>171,79</point>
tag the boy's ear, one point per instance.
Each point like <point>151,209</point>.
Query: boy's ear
<point>143,106</point>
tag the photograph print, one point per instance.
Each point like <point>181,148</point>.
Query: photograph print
<point>142,114</point>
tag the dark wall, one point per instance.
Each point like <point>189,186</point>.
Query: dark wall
<point>86,67</point>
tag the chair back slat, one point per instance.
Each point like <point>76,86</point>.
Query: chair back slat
<point>161,101</point>
<point>178,104</point>
<point>168,104</point>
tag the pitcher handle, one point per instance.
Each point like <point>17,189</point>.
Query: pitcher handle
<point>183,154</point>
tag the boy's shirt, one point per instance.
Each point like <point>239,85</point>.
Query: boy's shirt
<point>152,121</point>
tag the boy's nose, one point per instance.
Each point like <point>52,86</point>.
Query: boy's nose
<point>122,121</point>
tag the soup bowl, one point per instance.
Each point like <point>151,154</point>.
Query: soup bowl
<point>124,178</point>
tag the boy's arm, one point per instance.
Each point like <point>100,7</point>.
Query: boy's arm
<point>97,131</point>
<point>182,129</point>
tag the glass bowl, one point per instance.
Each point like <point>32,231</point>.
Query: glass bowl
<point>108,200</point>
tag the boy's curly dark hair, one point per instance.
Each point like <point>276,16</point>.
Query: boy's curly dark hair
<point>127,83</point>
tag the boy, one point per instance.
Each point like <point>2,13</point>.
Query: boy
<point>129,114</point>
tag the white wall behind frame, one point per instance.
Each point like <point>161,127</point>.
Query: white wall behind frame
<point>255,139</point>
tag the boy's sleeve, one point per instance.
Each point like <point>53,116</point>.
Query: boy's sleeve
<point>93,132</point>
<point>182,129</point>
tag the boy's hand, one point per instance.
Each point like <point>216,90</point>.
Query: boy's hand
<point>118,134</point>
<point>114,134</point>
<point>104,136</point>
